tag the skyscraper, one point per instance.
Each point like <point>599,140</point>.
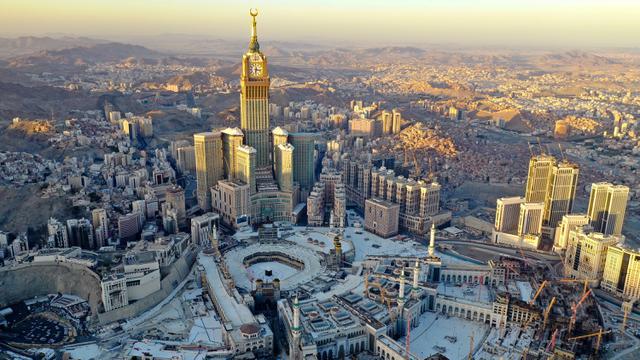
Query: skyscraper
<point>569,222</point>
<point>254,98</point>
<point>209,165</point>
<point>622,271</point>
<point>607,207</point>
<point>429,199</point>
<point>397,121</point>
<point>80,233</point>
<point>586,253</point>
<point>507,214</point>
<point>284,166</point>
<point>530,219</point>
<point>100,225</point>
<point>57,234</point>
<point>280,136</point>
<point>303,159</point>
<point>231,139</point>
<point>246,166</point>
<point>538,178</point>
<point>561,192</point>
<point>387,122</point>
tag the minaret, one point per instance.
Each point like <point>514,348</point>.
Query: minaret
<point>401,290</point>
<point>416,277</point>
<point>296,331</point>
<point>214,236</point>
<point>432,241</point>
<point>338,246</point>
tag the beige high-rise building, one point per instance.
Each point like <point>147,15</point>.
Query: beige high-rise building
<point>186,159</point>
<point>387,122</point>
<point>381,217</point>
<point>429,199</point>
<point>586,254</point>
<point>284,166</point>
<point>508,214</point>
<point>209,165</point>
<point>246,166</point>
<point>369,128</point>
<point>339,211</point>
<point>397,121</point>
<point>254,99</point>
<point>530,219</point>
<point>569,222</point>
<point>622,272</point>
<point>231,139</point>
<point>607,207</point>
<point>561,192</point>
<point>280,136</point>
<point>100,224</point>
<point>331,178</point>
<point>315,205</point>
<point>231,201</point>
<point>538,178</point>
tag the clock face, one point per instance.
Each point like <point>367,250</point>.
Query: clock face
<point>255,69</point>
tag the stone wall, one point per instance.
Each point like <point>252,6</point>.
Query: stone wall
<point>25,281</point>
<point>179,271</point>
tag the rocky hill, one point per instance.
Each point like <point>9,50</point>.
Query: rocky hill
<point>78,56</point>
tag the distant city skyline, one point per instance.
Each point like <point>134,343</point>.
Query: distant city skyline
<point>542,23</point>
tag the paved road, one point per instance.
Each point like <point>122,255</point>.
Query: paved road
<point>500,249</point>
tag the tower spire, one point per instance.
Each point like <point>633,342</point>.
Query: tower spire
<point>432,241</point>
<point>253,44</point>
<point>401,290</point>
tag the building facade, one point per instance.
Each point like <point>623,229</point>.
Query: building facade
<point>254,100</point>
<point>381,217</point>
<point>607,207</point>
<point>209,165</point>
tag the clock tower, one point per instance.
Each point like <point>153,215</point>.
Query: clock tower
<point>254,98</point>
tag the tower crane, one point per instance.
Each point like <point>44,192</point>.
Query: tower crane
<point>540,288</point>
<point>547,311</point>
<point>586,283</point>
<point>598,334</point>
<point>574,308</point>
<point>627,307</point>
<point>546,282</point>
<point>552,343</point>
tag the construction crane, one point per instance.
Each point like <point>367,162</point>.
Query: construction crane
<point>627,307</point>
<point>598,334</point>
<point>546,282</point>
<point>540,288</point>
<point>470,357</point>
<point>574,308</point>
<point>540,145</point>
<point>552,343</point>
<point>585,281</point>
<point>547,311</point>
<point>561,152</point>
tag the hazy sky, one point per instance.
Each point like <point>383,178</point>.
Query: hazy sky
<point>574,23</point>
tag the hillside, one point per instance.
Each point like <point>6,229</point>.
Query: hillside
<point>77,56</point>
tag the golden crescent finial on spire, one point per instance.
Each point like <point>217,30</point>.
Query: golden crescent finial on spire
<point>253,45</point>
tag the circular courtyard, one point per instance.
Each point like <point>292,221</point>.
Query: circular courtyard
<point>292,265</point>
